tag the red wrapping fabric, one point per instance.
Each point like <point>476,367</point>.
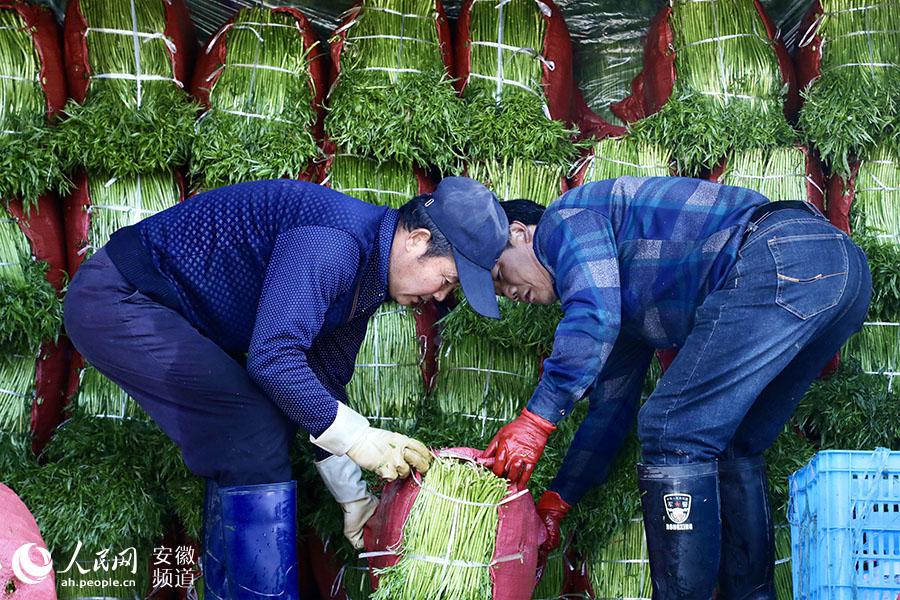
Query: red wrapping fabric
<point>43,228</point>
<point>209,61</point>
<point>560,88</point>
<point>841,193</point>
<point>179,29</point>
<point>18,530</point>
<point>653,86</point>
<point>46,43</point>
<point>443,35</point>
<point>808,57</point>
<point>519,531</point>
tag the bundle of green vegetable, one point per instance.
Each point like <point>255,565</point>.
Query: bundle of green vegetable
<point>99,396</point>
<point>728,94</point>
<point>130,113</point>
<point>876,202</point>
<point>487,369</point>
<point>619,156</point>
<point>393,100</point>
<point>776,173</point>
<point>621,569</point>
<point>116,504</point>
<point>853,103</point>
<point>387,384</point>
<point>28,163</point>
<point>514,178</point>
<point>262,101</point>
<point>16,459</point>
<point>449,537</point>
<point>17,375</point>
<point>508,112</point>
<point>384,184</point>
<point>553,577</point>
<point>119,202</point>
<point>31,311</point>
<point>606,531</point>
<point>850,410</point>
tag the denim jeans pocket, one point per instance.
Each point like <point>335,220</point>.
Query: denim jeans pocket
<point>811,272</point>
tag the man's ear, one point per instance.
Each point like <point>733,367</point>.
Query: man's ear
<point>519,233</point>
<point>417,241</point>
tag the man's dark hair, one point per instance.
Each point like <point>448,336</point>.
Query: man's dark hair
<point>526,212</point>
<point>414,216</point>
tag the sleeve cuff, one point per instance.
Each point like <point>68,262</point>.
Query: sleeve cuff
<point>346,429</point>
<point>343,478</point>
<point>543,405</point>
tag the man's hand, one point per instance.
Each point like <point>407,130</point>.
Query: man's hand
<point>356,515</point>
<point>389,454</point>
<point>518,446</point>
<point>343,478</point>
<point>552,509</point>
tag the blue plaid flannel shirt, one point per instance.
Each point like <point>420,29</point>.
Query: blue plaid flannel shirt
<point>631,259</point>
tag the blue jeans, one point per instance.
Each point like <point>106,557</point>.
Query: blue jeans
<point>202,398</point>
<point>799,289</point>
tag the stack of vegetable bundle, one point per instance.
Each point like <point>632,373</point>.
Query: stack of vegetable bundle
<point>457,532</point>
<point>96,208</point>
<point>789,173</point>
<point>391,97</point>
<point>514,69</point>
<point>620,155</point>
<point>848,66</point>
<point>867,201</point>
<point>127,68</point>
<point>731,85</point>
<point>487,369</point>
<point>32,261</point>
<point>262,82</point>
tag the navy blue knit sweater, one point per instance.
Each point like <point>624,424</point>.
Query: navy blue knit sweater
<point>285,271</point>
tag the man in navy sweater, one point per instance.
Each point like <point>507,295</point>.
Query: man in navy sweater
<point>236,316</point>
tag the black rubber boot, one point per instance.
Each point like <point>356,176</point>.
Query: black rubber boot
<point>747,569</point>
<point>681,519</point>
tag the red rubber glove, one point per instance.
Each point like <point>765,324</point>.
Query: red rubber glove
<point>518,446</point>
<point>552,509</point>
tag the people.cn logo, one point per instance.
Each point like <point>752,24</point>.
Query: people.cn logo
<point>26,570</point>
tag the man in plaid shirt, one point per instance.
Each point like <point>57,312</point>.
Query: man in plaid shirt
<point>757,296</point>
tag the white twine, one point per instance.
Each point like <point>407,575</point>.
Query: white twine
<point>251,26</point>
<point>392,70</point>
<point>501,82</point>
<point>401,38</point>
<point>498,92</point>
<point>438,560</point>
<point>170,44</point>
<point>721,38</point>
<point>518,50</point>
<point>137,50</point>
<point>352,190</point>
<point>34,79</point>
<point>507,499</point>
<point>13,393</point>
<point>397,13</point>
<point>264,67</point>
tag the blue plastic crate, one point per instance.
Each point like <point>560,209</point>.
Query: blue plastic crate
<point>845,526</point>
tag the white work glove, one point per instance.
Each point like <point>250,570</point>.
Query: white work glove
<point>388,454</point>
<point>343,478</point>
